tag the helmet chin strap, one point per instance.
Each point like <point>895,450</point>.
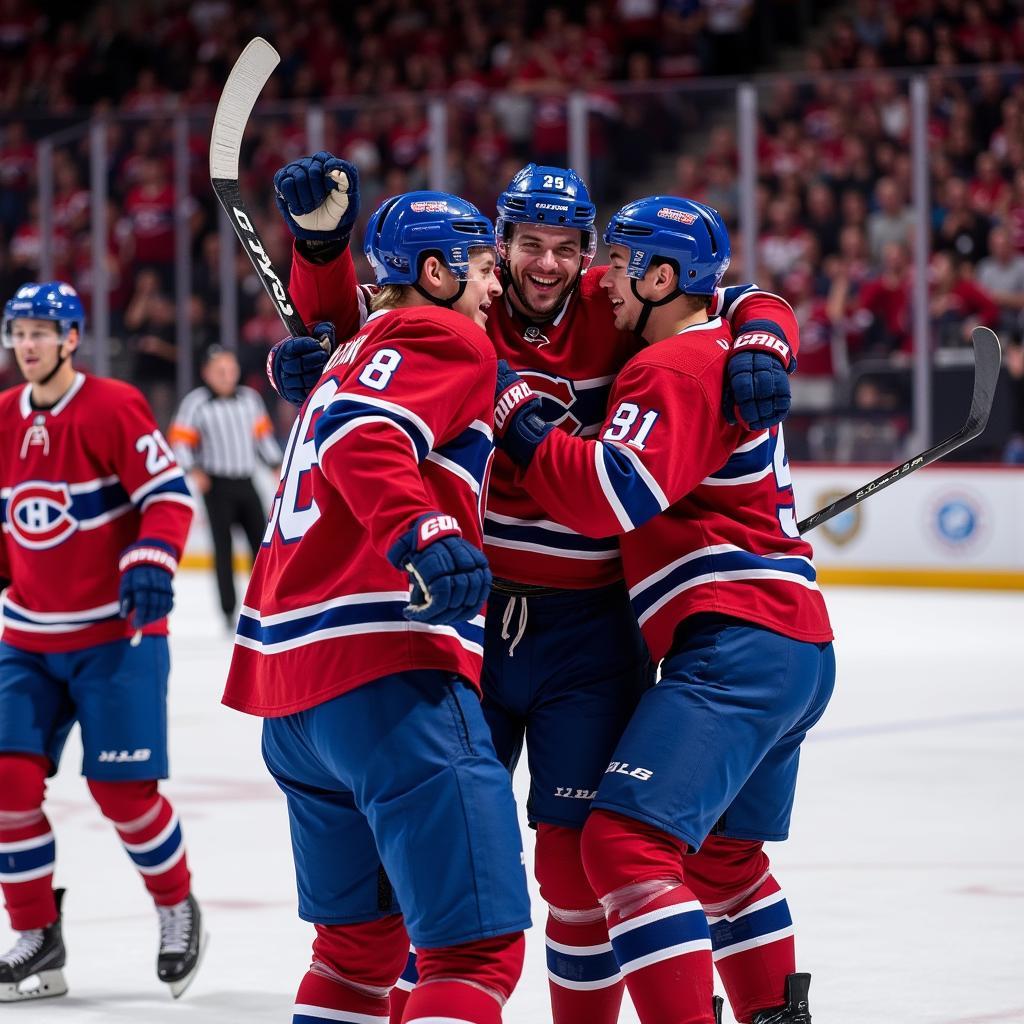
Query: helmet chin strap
<point>649,304</point>
<point>447,303</point>
<point>61,356</point>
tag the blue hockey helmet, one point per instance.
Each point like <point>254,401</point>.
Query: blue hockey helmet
<point>553,197</point>
<point>405,229</point>
<point>52,300</point>
<point>689,234</point>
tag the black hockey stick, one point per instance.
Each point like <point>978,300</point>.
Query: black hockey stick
<point>987,359</point>
<point>254,66</point>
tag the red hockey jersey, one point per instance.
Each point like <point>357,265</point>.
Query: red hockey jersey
<point>570,363</point>
<point>398,426</point>
<point>705,510</point>
<point>79,483</point>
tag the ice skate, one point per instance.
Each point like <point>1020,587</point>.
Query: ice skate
<point>182,944</point>
<point>33,968</point>
<point>796,1010</point>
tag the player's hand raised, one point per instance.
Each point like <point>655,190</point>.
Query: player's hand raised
<point>294,365</point>
<point>318,197</point>
<point>449,577</point>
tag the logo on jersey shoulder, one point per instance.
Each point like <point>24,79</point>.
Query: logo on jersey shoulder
<point>39,514</point>
<point>625,768</point>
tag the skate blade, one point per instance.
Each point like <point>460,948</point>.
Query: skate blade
<point>178,987</point>
<point>42,985</point>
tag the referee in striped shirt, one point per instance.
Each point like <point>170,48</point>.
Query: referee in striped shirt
<point>218,433</point>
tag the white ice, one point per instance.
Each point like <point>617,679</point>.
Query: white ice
<point>904,872</point>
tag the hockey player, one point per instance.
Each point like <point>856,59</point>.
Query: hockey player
<point>95,514</point>
<point>402,817</point>
<point>724,590</point>
<point>564,662</point>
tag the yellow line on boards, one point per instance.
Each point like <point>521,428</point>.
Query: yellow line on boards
<point>967,579</point>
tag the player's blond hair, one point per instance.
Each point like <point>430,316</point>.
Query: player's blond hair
<point>389,296</point>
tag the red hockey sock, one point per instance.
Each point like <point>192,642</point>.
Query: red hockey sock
<point>466,984</point>
<point>453,1002</point>
<point>27,847</point>
<point>353,969</point>
<point>657,927</point>
<point>583,978</point>
<point>405,984</point>
<point>751,927</point>
<point>150,833</point>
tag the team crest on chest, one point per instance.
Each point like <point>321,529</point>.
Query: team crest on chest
<point>39,514</point>
<point>36,436</point>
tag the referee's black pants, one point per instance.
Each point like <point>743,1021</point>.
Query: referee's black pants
<point>230,501</point>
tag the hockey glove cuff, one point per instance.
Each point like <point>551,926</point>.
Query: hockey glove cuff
<point>449,576</point>
<point>318,197</point>
<point>518,425</point>
<point>756,392</point>
<point>147,574</point>
<point>294,365</point>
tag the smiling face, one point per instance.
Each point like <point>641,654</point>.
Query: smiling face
<point>625,305</point>
<point>36,346</point>
<point>544,264</point>
<point>482,286</point>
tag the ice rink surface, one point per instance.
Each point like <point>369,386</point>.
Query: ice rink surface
<point>905,869</point>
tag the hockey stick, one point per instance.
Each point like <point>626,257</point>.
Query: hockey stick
<point>987,359</point>
<point>254,66</point>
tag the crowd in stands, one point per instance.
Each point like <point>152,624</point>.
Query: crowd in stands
<point>834,180</point>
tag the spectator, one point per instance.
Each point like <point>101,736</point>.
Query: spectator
<point>891,221</point>
<point>956,304</point>
<point>960,228</point>
<point>882,322</point>
<point>149,321</point>
<point>1001,274</point>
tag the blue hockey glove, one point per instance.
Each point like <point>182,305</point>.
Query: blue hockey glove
<point>147,575</point>
<point>318,197</point>
<point>518,425</point>
<point>756,393</point>
<point>449,576</point>
<point>294,365</point>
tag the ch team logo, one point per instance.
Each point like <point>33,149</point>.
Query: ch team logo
<point>39,514</point>
<point>557,396</point>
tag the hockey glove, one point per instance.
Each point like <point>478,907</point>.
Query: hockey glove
<point>449,576</point>
<point>318,197</point>
<point>518,425</point>
<point>294,365</point>
<point>147,575</point>
<point>756,392</point>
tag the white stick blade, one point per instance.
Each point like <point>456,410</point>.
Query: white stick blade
<point>254,66</point>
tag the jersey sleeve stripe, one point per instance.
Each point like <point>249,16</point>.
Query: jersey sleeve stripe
<point>467,456</point>
<point>156,482</point>
<point>353,422</point>
<point>346,406</point>
<point>749,463</point>
<point>631,491</point>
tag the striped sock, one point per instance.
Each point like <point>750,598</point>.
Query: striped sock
<point>405,984</point>
<point>321,999</point>
<point>451,1002</point>
<point>583,976</point>
<point>27,855</point>
<point>664,951</point>
<point>157,848</point>
<point>753,948</point>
